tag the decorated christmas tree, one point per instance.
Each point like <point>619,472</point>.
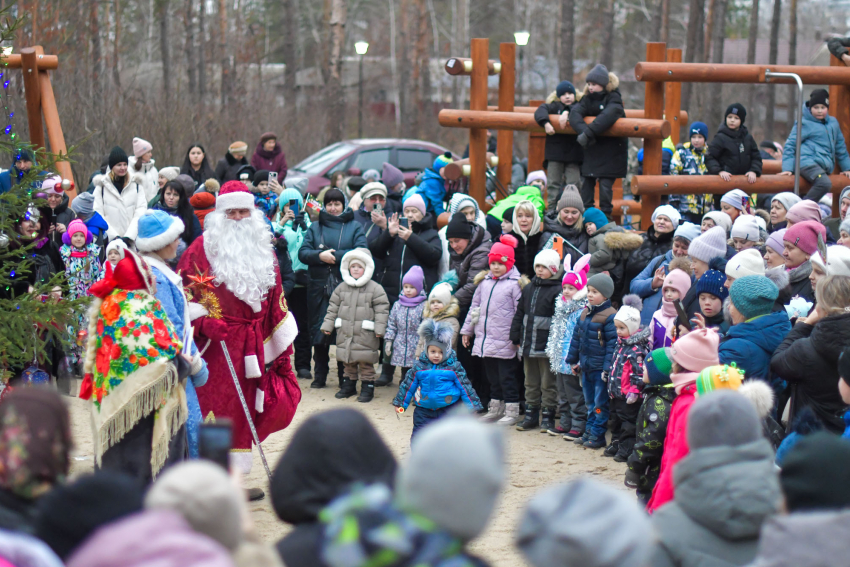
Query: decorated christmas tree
<point>34,311</point>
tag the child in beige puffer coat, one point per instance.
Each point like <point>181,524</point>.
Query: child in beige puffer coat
<point>358,310</point>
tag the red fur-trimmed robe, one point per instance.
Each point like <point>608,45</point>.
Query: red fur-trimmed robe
<point>254,340</point>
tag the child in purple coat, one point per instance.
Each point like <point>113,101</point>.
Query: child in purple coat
<point>489,322</point>
<point>403,327</point>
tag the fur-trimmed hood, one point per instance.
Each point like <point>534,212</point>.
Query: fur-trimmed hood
<point>364,256</point>
<point>613,84</point>
<point>641,337</point>
<point>451,310</point>
<point>553,96</point>
<point>623,240</point>
<point>482,275</point>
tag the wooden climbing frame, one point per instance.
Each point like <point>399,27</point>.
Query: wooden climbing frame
<point>657,74</point>
<point>41,104</point>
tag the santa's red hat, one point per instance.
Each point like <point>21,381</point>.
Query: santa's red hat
<point>234,195</point>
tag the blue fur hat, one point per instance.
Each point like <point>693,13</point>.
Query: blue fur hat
<point>157,229</point>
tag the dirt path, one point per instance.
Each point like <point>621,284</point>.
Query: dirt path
<point>535,460</point>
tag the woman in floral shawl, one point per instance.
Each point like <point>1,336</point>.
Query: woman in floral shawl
<point>133,374</point>
<point>35,441</point>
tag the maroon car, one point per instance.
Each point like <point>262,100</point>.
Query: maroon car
<point>353,157</point>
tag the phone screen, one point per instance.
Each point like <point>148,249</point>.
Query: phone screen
<point>683,317</point>
<point>215,441</point>
<point>403,222</point>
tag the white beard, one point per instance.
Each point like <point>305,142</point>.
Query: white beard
<point>241,255</point>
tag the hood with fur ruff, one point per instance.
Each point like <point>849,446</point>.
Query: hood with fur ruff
<point>613,83</point>
<point>623,240</point>
<point>364,257</point>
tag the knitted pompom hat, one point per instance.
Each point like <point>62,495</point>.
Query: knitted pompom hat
<point>629,313</point>
<point>720,377</point>
<point>503,251</point>
<point>74,227</point>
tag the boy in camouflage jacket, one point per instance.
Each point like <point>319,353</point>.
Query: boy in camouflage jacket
<point>645,461</point>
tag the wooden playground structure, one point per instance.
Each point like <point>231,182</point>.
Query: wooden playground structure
<point>663,74</point>
<point>41,102</point>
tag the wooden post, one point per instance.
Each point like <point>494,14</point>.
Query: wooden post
<point>839,98</point>
<point>29,66</point>
<point>673,99</point>
<point>653,106</point>
<point>507,85</point>
<point>478,136</point>
<point>55,137</point>
<point>536,146</point>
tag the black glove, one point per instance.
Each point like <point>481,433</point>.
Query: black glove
<point>298,221</point>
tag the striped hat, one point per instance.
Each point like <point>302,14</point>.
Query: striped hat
<point>721,377</point>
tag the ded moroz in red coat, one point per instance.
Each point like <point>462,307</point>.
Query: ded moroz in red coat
<point>254,340</point>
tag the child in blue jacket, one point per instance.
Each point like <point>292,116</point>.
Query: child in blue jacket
<point>433,186</point>
<point>437,380</point>
<point>822,145</point>
<point>591,351</point>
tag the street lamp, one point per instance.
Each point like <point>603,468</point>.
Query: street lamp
<point>521,39</point>
<point>361,47</point>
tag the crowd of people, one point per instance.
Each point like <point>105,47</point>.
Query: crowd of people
<point>710,354</point>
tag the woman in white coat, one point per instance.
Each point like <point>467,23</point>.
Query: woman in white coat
<point>141,162</point>
<point>119,197</point>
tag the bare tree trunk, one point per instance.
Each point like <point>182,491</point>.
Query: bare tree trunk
<point>339,14</point>
<point>565,62</point>
<point>718,41</point>
<point>202,51</point>
<point>290,54</point>
<point>751,49</point>
<point>709,30</point>
<point>421,70</point>
<point>116,75</point>
<point>225,63</point>
<point>405,70</point>
<point>94,30</point>
<point>695,15</point>
<point>792,60</point>
<point>774,53</point>
<point>164,51</point>
<point>608,35</point>
<point>394,70</point>
<point>665,21</point>
<point>455,47</point>
<point>189,24</point>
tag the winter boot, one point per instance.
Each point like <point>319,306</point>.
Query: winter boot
<point>611,449</point>
<point>547,419</point>
<point>367,391</point>
<point>532,415</point>
<point>318,381</point>
<point>304,373</point>
<point>581,439</point>
<point>347,389</point>
<point>386,378</point>
<point>511,414</point>
<point>595,443</point>
<point>495,411</point>
<point>632,479</point>
<point>624,451</point>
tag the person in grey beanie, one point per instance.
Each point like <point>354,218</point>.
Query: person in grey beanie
<point>454,476</point>
<point>725,488</point>
<point>584,523</point>
<point>83,206</point>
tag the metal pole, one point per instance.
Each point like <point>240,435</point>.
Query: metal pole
<point>360,103</point>
<point>245,408</point>
<point>767,75</point>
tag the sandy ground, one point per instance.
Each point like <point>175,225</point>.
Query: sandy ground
<point>534,459</point>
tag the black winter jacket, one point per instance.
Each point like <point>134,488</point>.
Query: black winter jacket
<point>530,327</point>
<point>423,248</point>
<point>372,232</point>
<point>808,360</point>
<point>654,244</point>
<point>652,420</point>
<point>605,156</point>
<point>227,168</point>
<point>734,151</point>
<point>467,265</point>
<point>340,234</point>
<point>525,252</point>
<point>559,147</point>
<point>798,284</point>
<point>284,266</point>
<point>576,237</point>
<point>62,214</point>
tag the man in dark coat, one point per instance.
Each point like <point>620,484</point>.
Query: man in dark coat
<point>605,158</point>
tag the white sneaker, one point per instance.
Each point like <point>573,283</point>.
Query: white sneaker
<point>511,414</point>
<point>495,411</point>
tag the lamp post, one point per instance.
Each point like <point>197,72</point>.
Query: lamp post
<point>521,39</point>
<point>361,47</point>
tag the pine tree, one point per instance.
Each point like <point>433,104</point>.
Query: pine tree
<point>32,318</point>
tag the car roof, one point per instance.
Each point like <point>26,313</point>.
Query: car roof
<point>388,141</point>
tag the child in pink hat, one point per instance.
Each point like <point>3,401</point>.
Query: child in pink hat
<point>82,268</point>
<point>663,325</point>
<point>691,354</point>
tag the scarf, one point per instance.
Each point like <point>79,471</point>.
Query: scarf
<point>683,379</point>
<point>262,152</point>
<point>411,301</point>
<point>668,308</point>
<point>129,373</point>
<point>79,253</point>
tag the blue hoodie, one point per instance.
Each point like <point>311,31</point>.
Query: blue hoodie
<point>751,344</point>
<point>823,145</point>
<point>96,225</point>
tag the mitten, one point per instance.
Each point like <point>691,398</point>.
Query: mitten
<point>388,348</point>
<point>214,329</point>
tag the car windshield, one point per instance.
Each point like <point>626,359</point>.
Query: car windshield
<point>318,162</point>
